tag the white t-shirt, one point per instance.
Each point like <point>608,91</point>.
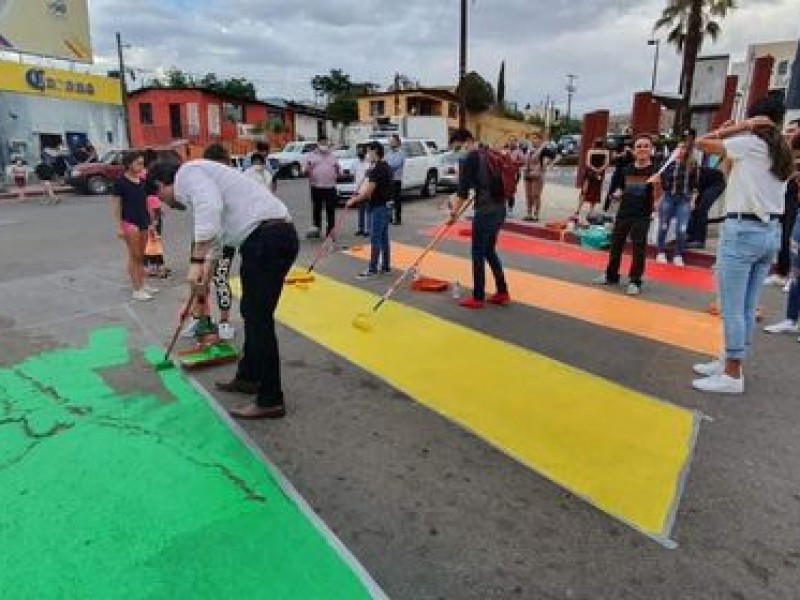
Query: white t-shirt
<point>227,204</point>
<point>752,188</point>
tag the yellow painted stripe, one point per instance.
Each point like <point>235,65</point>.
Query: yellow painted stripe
<point>687,329</point>
<point>624,452</point>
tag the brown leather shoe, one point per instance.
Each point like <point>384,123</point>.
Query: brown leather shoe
<point>254,411</point>
<point>237,386</point>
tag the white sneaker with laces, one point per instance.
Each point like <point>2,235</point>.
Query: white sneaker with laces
<point>150,289</point>
<point>188,330</point>
<point>708,369</point>
<point>141,296</point>
<point>775,280</point>
<point>661,258</point>
<point>678,261</point>
<point>785,326</point>
<point>226,331</point>
<point>720,384</point>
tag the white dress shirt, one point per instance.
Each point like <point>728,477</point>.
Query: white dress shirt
<point>227,204</point>
<point>752,188</point>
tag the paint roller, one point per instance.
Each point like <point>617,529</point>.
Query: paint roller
<point>167,363</point>
<point>299,277</point>
<point>363,321</point>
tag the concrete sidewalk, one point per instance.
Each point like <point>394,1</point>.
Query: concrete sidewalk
<point>36,190</point>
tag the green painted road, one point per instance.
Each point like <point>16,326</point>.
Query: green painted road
<point>145,493</point>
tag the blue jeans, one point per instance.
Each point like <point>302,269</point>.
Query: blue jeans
<point>485,227</point>
<point>746,252</point>
<point>793,301</point>
<point>379,237</point>
<point>673,207</point>
<point>363,218</point>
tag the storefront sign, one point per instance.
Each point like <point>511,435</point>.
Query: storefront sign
<point>58,83</point>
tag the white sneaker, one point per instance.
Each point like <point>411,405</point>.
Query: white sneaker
<point>602,280</point>
<point>678,261</point>
<point>785,326</point>
<point>788,287</point>
<point>720,384</point>
<point>708,369</point>
<point>633,289</point>
<point>226,331</point>
<point>188,330</point>
<point>141,296</point>
<point>775,280</point>
<point>150,289</point>
<point>661,258</point>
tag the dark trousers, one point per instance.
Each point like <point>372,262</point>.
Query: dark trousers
<point>697,231</point>
<point>397,188</point>
<point>636,229</point>
<point>267,255</point>
<point>784,267</point>
<point>485,227</point>
<point>324,197</point>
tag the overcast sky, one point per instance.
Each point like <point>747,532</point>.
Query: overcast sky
<point>282,44</point>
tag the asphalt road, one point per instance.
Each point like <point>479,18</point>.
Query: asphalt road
<point>429,509</point>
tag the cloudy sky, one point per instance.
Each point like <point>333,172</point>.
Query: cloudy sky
<point>282,44</point>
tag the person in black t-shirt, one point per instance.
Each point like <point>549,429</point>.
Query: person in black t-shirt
<point>378,190</point>
<point>638,191</point>
<point>129,206</point>
<point>490,213</point>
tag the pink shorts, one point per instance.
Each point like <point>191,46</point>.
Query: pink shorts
<point>129,228</point>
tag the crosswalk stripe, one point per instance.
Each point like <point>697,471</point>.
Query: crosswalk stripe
<point>687,329</point>
<point>624,452</point>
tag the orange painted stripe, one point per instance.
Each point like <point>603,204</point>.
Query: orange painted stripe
<point>687,329</point>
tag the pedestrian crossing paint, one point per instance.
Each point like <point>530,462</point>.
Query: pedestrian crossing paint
<point>145,492</point>
<point>624,452</point>
<point>686,329</point>
<point>693,278</point>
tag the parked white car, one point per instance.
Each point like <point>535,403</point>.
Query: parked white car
<point>421,170</point>
<point>293,159</point>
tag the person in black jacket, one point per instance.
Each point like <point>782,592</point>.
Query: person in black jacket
<point>640,186</point>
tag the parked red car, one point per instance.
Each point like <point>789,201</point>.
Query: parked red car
<point>99,177</point>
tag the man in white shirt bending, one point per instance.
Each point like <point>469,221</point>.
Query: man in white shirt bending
<point>232,208</point>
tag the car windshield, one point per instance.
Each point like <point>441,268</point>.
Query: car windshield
<point>293,148</point>
<point>110,157</point>
<point>345,153</point>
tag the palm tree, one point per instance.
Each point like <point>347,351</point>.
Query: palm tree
<point>689,23</point>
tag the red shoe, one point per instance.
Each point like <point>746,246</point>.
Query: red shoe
<point>500,299</point>
<point>471,302</point>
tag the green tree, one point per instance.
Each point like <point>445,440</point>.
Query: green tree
<point>501,85</point>
<point>175,78</point>
<point>333,85</point>
<point>477,92</point>
<point>343,110</point>
<point>689,22</point>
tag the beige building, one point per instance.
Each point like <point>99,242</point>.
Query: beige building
<point>784,54</point>
<point>489,128</point>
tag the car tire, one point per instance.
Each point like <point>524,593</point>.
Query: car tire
<point>295,171</point>
<point>98,186</point>
<point>429,187</point>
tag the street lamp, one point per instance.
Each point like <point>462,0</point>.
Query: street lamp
<point>657,44</point>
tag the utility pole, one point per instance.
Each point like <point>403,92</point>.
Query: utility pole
<point>462,67</point>
<point>571,89</point>
<point>657,44</point>
<point>547,112</point>
<point>123,88</point>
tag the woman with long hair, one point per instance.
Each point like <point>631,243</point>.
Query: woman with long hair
<point>761,164</point>
<point>129,207</point>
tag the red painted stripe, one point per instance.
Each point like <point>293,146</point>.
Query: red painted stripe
<point>694,278</point>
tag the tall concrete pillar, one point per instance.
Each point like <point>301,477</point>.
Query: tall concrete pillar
<point>646,114</point>
<point>595,125</point>
<point>759,81</point>
<point>725,111</point>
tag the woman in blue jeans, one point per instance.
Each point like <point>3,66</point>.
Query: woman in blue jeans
<point>679,182</point>
<point>761,164</point>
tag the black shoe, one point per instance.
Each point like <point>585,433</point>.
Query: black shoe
<point>254,412</point>
<point>237,386</point>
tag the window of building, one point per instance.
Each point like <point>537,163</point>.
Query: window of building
<point>146,113</point>
<point>377,108</point>
<point>452,110</point>
<point>783,68</point>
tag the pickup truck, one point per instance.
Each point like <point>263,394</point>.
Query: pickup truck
<point>421,171</point>
<point>293,158</point>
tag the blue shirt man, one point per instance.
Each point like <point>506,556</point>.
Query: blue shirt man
<point>396,158</point>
